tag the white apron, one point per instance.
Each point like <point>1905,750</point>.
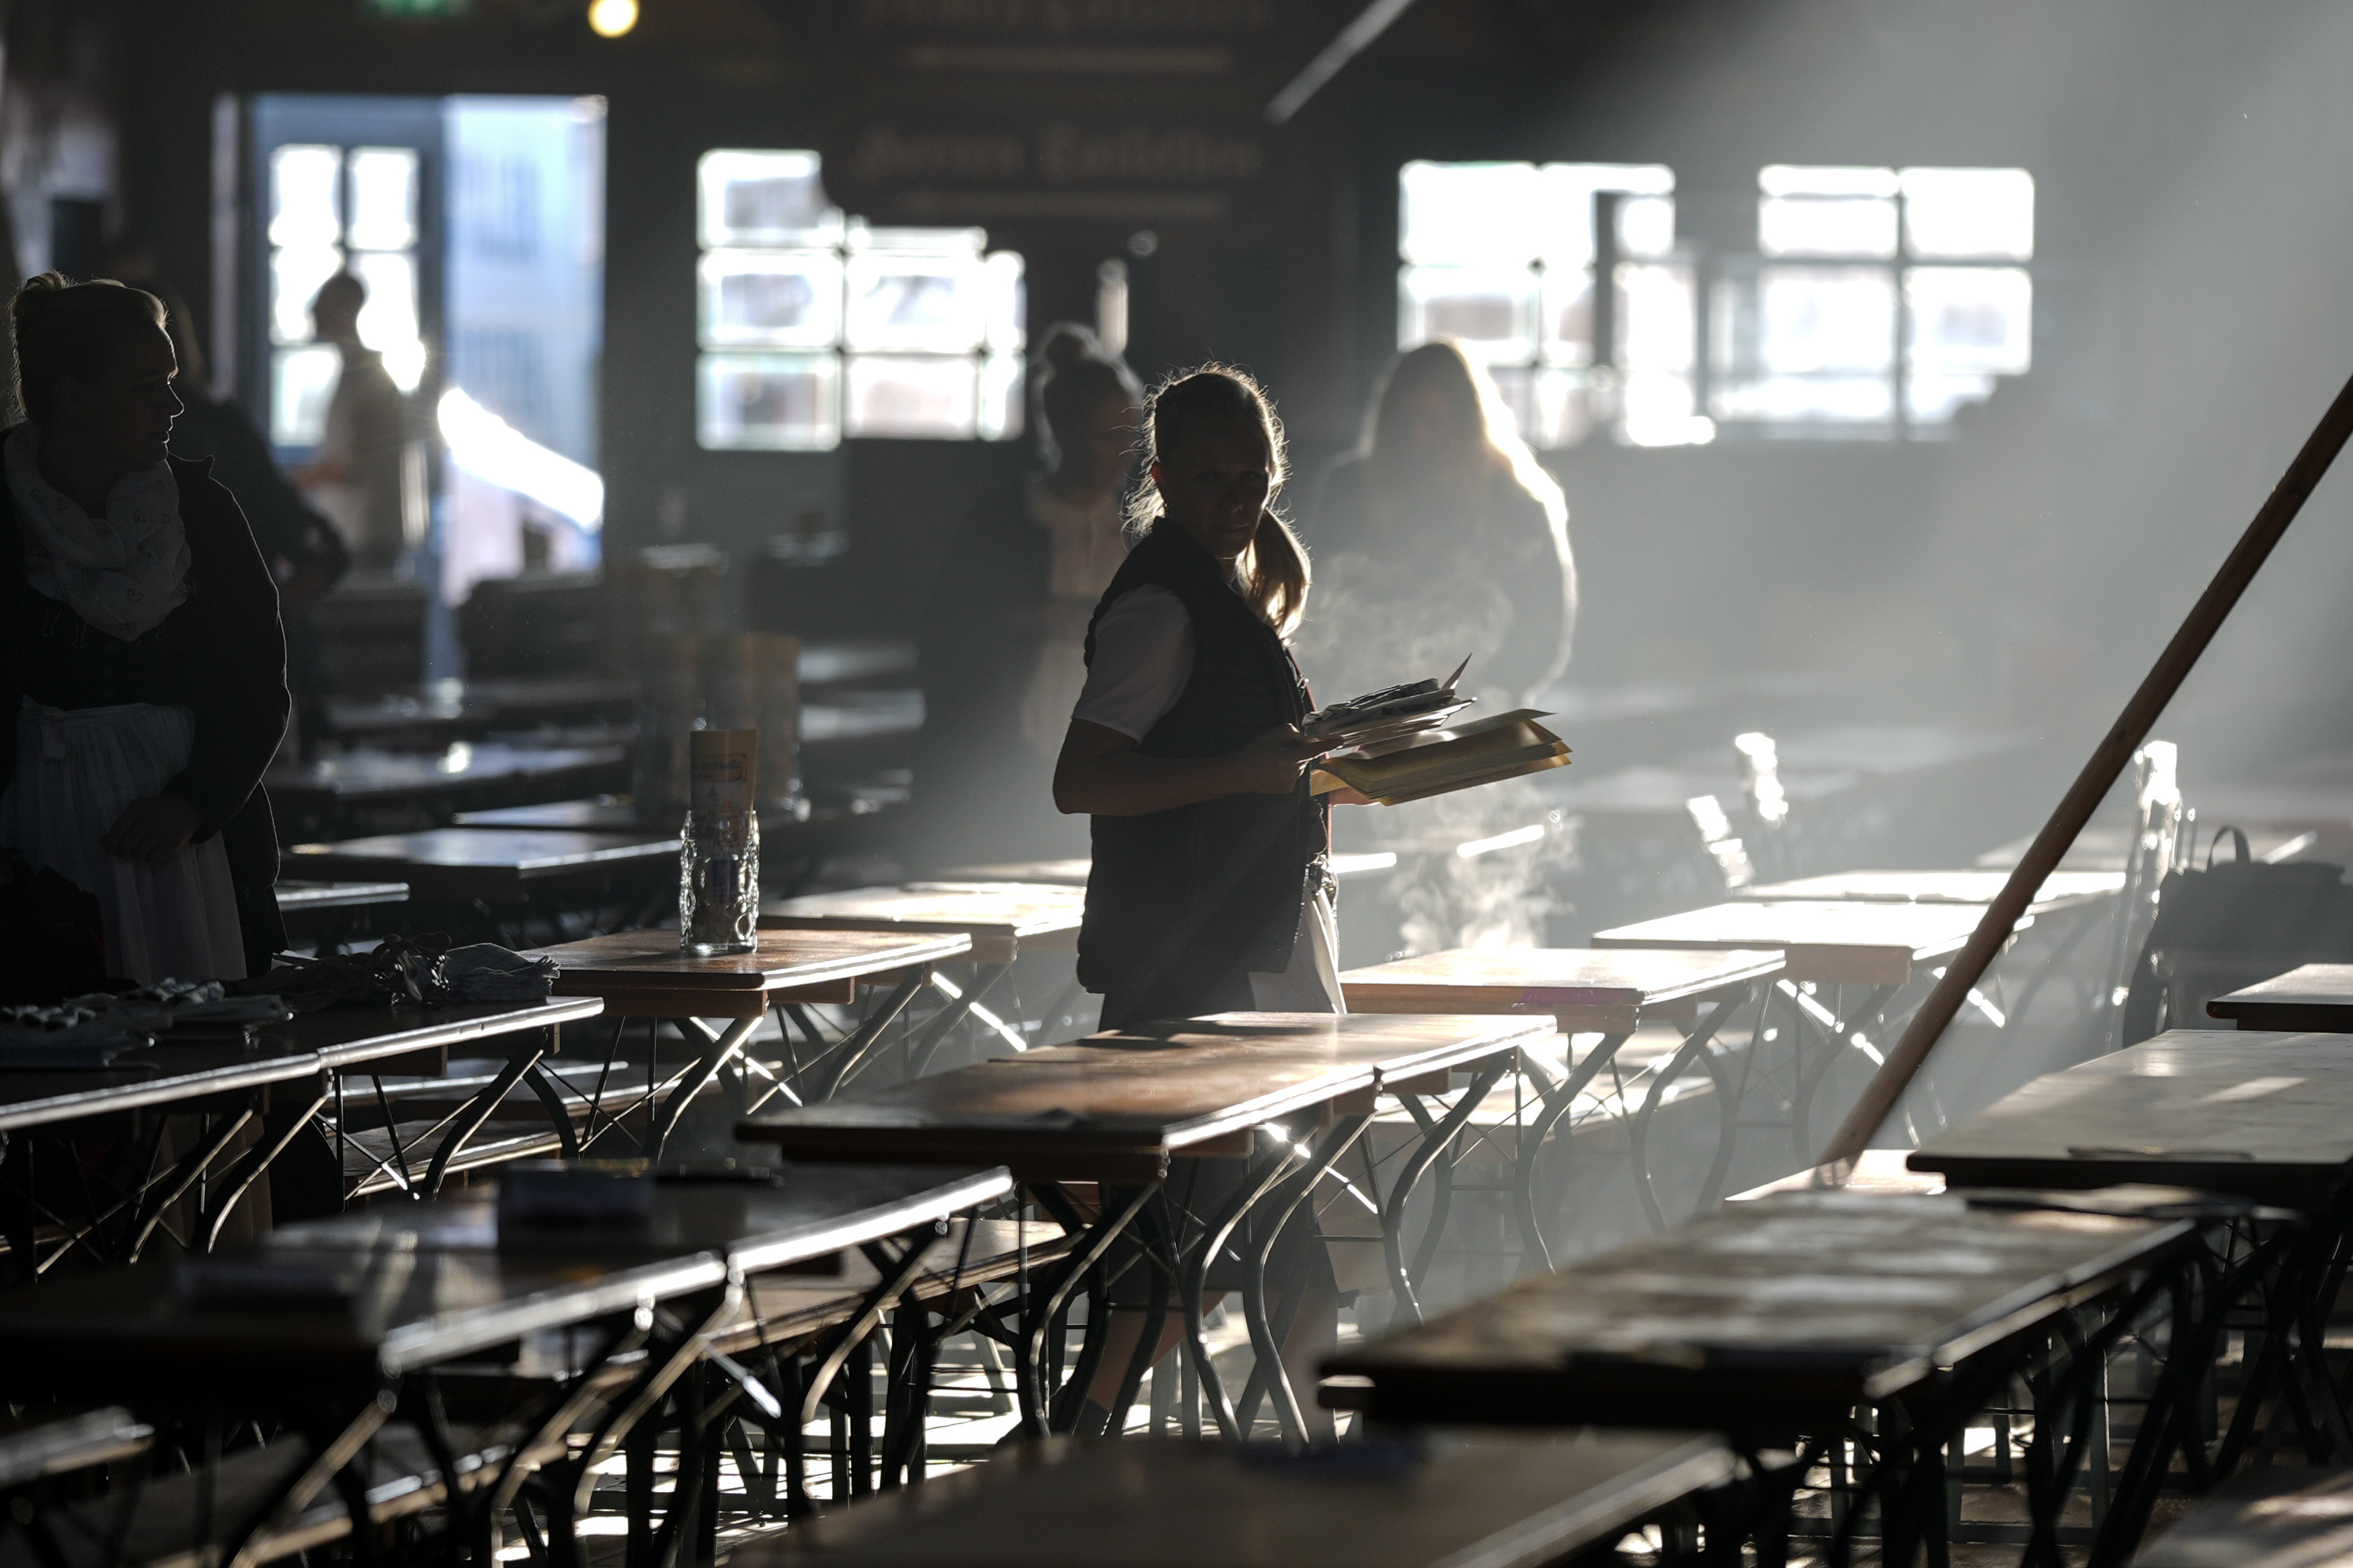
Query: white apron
<point>76,770</point>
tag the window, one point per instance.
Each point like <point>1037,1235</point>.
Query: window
<point>1502,257</point>
<point>1876,302</point>
<point>814,326</point>
<point>331,209</point>
<point>1879,301</point>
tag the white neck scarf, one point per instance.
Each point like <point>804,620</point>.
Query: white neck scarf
<point>122,573</point>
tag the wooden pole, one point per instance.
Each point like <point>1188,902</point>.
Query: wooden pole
<point>2091,786</point>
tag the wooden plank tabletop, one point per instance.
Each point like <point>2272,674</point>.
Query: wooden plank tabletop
<point>1765,1320</point>
<point>333,1308</point>
<point>1001,918</point>
<point>1115,1106</point>
<point>2310,996</point>
<point>645,974</point>
<point>1582,988</point>
<point>1073,872</point>
<point>2272,1517</point>
<point>1836,941</point>
<point>2265,1116</point>
<point>482,862</point>
<point>1467,1499</point>
<point>306,898</point>
<point>334,1039</point>
<point>2059,891</point>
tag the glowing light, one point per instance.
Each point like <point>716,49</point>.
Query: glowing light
<point>611,19</point>
<point>1510,840</point>
<point>487,447</point>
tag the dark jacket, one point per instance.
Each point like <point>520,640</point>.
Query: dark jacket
<point>1178,900</point>
<point>981,792</point>
<point>221,653</point>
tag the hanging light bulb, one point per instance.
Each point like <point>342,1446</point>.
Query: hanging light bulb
<point>611,19</point>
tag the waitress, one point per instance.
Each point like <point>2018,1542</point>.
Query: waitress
<point>1210,889</point>
<point>142,668</point>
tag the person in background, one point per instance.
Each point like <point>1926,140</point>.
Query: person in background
<point>1211,888</point>
<point>306,554</point>
<point>1002,636</point>
<point>1445,534</point>
<point>355,476</point>
<point>144,671</point>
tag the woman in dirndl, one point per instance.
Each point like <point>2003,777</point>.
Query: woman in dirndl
<point>142,666</point>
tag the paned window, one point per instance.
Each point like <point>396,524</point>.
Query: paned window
<point>1876,301</point>
<point>814,326</point>
<point>1879,301</point>
<point>334,209</point>
<point>1503,258</point>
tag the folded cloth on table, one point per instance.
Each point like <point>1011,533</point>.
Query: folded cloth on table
<point>485,972</point>
<point>70,1035</point>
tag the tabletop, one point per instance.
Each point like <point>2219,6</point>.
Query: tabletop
<point>343,1304</point>
<point>1073,872</point>
<point>304,898</point>
<point>1489,1498</point>
<point>2265,1116</point>
<point>334,1040</point>
<point>2059,891</point>
<point>1115,1106</point>
<point>2310,996</point>
<point>460,861</point>
<point>645,974</point>
<point>1001,918</point>
<point>368,773</point>
<point>1582,988</point>
<point>2284,1516</point>
<point>1774,1316</point>
<point>1836,941</point>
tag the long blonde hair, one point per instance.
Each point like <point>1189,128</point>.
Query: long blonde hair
<point>1479,412</point>
<point>1275,571</point>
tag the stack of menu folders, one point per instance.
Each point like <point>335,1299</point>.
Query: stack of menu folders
<point>1404,744</point>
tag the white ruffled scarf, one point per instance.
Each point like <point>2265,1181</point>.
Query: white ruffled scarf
<point>122,573</point>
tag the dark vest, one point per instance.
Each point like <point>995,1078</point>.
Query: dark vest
<point>1178,898</point>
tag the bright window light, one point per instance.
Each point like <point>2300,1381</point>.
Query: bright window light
<point>910,333</point>
<point>487,447</point>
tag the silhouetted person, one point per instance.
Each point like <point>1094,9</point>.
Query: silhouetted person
<point>355,477</point>
<point>307,556</point>
<point>145,682</point>
<point>1441,537</point>
<point>1210,889</point>
<point>1004,632</point>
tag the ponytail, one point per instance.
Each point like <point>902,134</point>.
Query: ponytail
<point>1275,575</point>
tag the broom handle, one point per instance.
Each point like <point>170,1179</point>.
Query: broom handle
<point>2091,786</point>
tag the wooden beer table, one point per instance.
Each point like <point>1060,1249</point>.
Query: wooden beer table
<point>1003,919</point>
<point>1608,992</point>
<point>287,1073</point>
<point>1073,872</point>
<point>1492,1500</point>
<point>2309,996</point>
<point>511,873</point>
<point>720,1000</point>
<point>1116,1108</point>
<point>330,915</point>
<point>1877,948</point>
<point>323,1326</point>
<point>1775,1320</point>
<point>2266,1118</point>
